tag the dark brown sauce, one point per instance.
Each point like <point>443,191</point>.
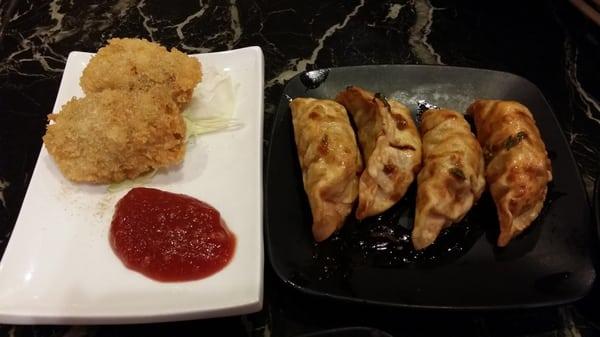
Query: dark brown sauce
<point>385,241</point>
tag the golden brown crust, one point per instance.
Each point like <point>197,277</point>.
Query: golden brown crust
<point>137,64</point>
<point>115,135</point>
<point>329,159</point>
<point>517,166</point>
<point>390,145</point>
<point>452,177</point>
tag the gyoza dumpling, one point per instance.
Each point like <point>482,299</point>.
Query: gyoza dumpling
<point>452,177</point>
<point>390,145</point>
<point>330,161</point>
<point>517,166</point>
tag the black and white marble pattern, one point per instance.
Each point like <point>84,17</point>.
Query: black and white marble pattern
<point>547,42</point>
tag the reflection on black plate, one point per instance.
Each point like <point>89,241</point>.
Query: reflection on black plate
<point>373,260</point>
<point>349,332</point>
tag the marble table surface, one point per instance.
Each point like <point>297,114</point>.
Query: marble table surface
<point>548,42</point>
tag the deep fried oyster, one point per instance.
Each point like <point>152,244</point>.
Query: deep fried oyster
<point>114,135</point>
<point>136,64</point>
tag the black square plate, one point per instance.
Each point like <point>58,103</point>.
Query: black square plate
<point>373,261</point>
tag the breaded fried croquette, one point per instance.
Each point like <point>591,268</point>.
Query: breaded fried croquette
<point>114,135</point>
<point>137,64</point>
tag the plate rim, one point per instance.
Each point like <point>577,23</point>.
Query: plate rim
<point>469,308</point>
<point>596,220</point>
<point>341,330</point>
<point>255,299</point>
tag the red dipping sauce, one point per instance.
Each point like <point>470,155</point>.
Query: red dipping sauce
<point>170,237</point>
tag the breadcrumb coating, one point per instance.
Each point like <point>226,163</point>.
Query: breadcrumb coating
<point>113,135</point>
<point>137,64</point>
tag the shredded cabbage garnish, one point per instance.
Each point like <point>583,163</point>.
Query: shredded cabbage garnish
<point>200,126</point>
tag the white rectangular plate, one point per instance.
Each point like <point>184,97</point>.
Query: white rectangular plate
<point>59,268</point>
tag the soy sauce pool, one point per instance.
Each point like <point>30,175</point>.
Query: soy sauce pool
<point>384,241</point>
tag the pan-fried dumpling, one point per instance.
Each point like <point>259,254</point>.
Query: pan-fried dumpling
<point>391,149</point>
<point>517,166</point>
<point>452,178</point>
<point>330,161</point>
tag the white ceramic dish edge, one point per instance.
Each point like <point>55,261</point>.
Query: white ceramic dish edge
<point>11,313</point>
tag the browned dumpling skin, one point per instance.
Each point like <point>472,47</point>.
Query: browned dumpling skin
<point>517,166</point>
<point>391,149</point>
<point>452,178</point>
<point>330,161</point>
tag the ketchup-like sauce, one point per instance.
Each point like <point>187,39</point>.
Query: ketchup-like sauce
<point>170,237</point>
